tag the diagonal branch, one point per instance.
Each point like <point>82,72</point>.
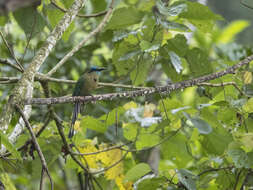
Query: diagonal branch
<point>80,45</point>
<point>142,92</point>
<point>7,62</point>
<point>37,147</point>
<point>11,52</point>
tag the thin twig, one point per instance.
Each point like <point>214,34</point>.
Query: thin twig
<point>221,85</point>
<point>215,170</point>
<point>7,62</point>
<point>79,15</point>
<point>37,146</point>
<point>11,52</point>
<point>88,37</point>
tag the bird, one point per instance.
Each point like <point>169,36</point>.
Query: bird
<point>87,82</point>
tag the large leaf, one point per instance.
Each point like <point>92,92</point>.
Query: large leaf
<point>198,62</point>
<point>139,74</point>
<point>137,172</point>
<point>94,124</point>
<point>130,131</point>
<point>217,141</point>
<point>175,150</point>
<point>123,17</point>
<point>240,158</point>
<point>29,20</point>
<point>202,126</point>
<point>200,16</point>
<point>147,140</point>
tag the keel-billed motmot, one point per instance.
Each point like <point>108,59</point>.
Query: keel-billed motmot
<point>84,86</point>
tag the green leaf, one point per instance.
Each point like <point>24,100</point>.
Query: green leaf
<point>198,62</point>
<point>124,17</point>
<point>110,118</point>
<point>137,172</point>
<point>148,46</point>
<point>139,74</point>
<point>146,140</point>
<point>9,146</point>
<point>240,158</point>
<point>29,20</point>
<point>130,131</point>
<point>248,107</point>
<point>124,56</point>
<point>217,141</point>
<point>151,184</point>
<point>94,124</point>
<point>200,16</point>
<point>202,126</point>
<point>175,150</point>
<point>178,44</point>
<point>187,178</point>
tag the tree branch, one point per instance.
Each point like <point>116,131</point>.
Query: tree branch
<point>143,92</point>
<point>37,147</point>
<point>80,45</point>
<point>11,52</point>
<point>7,62</point>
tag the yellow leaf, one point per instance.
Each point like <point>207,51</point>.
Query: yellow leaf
<point>108,159</point>
<point>89,160</point>
<point>121,185</point>
<point>247,77</point>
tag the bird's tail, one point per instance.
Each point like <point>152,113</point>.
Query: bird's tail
<point>75,113</point>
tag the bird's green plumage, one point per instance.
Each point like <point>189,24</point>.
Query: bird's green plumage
<point>84,86</point>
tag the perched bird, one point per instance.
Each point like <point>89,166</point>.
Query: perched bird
<point>84,86</point>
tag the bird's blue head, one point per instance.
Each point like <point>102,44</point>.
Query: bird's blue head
<point>95,69</point>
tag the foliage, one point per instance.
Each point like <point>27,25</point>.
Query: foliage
<point>203,134</point>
